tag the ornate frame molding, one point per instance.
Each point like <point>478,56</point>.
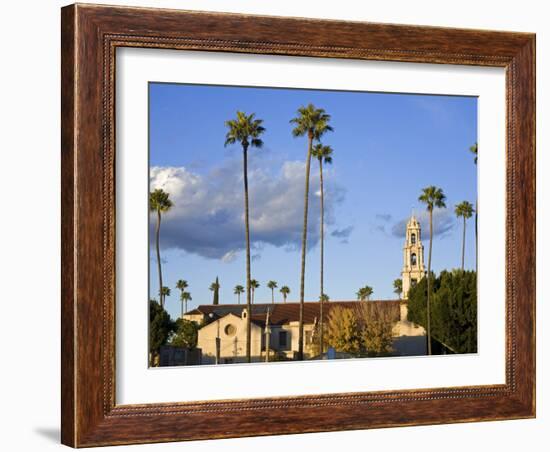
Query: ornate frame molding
<point>90,36</point>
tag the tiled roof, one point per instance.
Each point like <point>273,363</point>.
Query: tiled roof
<point>282,313</point>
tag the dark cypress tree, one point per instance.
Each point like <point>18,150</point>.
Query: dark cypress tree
<point>215,287</point>
<point>454,309</point>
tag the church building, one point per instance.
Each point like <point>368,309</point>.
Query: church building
<point>413,257</point>
<point>275,326</point>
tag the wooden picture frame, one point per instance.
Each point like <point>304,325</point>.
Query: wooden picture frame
<point>90,36</point>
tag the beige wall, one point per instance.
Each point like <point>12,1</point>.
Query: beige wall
<point>404,327</point>
<point>198,318</point>
<point>233,344</point>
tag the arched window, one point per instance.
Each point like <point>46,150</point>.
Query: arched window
<point>413,259</point>
<point>413,238</point>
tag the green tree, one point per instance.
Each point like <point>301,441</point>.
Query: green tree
<point>433,197</point>
<point>464,210</point>
<point>245,130</point>
<point>313,123</point>
<point>323,154</point>
<point>160,329</point>
<point>238,290</point>
<point>417,302</point>
<point>215,288</point>
<point>324,298</point>
<point>159,202</point>
<point>285,290</point>
<point>364,293</point>
<point>454,309</point>
<point>272,285</point>
<point>254,284</point>
<point>398,287</point>
<point>185,334</point>
<point>181,285</point>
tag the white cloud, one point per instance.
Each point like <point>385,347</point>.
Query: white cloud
<point>443,223</point>
<point>230,256</point>
<point>208,213</point>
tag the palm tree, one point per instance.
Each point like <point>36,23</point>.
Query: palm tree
<point>285,290</point>
<point>165,292</point>
<point>238,291</point>
<point>246,130</point>
<point>185,297</point>
<point>254,284</point>
<point>324,298</point>
<point>181,285</point>
<point>432,197</point>
<point>215,287</point>
<point>272,285</point>
<point>473,150</point>
<point>159,201</point>
<point>313,122</point>
<point>323,154</point>
<point>464,210</point>
<point>364,293</point>
<point>398,287</point>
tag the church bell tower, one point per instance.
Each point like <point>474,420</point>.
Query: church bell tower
<point>413,257</point>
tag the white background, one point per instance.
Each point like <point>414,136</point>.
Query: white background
<point>137,384</point>
<point>29,376</point>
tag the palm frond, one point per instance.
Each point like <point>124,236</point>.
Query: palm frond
<point>159,200</point>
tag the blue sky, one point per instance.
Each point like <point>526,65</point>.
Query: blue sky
<point>387,147</point>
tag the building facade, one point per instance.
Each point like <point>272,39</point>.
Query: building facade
<point>222,336</point>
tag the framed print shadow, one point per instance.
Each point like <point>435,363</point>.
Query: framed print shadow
<point>268,232</point>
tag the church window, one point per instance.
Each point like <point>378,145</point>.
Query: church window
<point>413,239</point>
<point>283,340</point>
<point>413,259</point>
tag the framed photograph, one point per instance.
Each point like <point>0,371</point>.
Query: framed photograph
<point>266,231</point>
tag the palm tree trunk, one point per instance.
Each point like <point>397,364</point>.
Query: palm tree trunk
<point>321,301</point>
<point>304,245</point>
<point>239,298</point>
<point>272,297</point>
<point>161,297</point>
<point>182,309</point>
<point>429,290</point>
<point>185,305</point>
<point>247,235</point>
<point>463,242</point>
